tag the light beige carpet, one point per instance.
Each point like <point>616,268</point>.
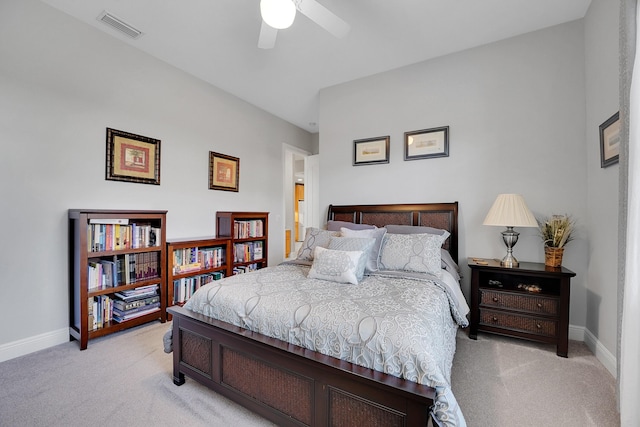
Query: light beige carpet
<point>126,379</point>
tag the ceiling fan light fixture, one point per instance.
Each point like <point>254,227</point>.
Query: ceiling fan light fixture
<point>278,14</point>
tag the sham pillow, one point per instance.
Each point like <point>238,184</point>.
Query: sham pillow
<point>416,229</point>
<point>412,252</point>
<point>354,244</point>
<point>337,266</point>
<point>336,225</point>
<point>314,237</point>
<point>374,254</point>
<point>449,264</point>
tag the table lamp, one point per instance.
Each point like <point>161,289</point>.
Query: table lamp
<point>510,210</point>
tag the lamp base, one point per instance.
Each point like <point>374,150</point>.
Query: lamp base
<point>509,261</point>
<point>510,238</point>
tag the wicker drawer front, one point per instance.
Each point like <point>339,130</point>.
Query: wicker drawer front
<point>527,324</point>
<point>529,303</point>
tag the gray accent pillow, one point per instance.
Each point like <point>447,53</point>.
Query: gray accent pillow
<point>412,252</point>
<point>314,237</point>
<point>374,254</point>
<point>336,266</point>
<point>336,225</point>
<point>354,244</point>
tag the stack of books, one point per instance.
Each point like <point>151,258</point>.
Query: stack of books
<point>136,302</point>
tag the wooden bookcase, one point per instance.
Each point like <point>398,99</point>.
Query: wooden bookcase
<point>249,235</point>
<point>114,251</point>
<point>190,261</point>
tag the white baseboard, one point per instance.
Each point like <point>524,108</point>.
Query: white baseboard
<point>29,345</point>
<point>49,339</point>
<point>580,333</point>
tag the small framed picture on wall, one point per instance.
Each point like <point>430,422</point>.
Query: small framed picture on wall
<point>371,151</point>
<point>224,172</point>
<point>426,143</point>
<point>610,141</point>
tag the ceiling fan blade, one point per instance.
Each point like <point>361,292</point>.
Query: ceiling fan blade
<point>267,39</point>
<point>323,17</point>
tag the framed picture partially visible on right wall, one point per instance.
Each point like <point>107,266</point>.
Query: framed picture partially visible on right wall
<point>610,141</point>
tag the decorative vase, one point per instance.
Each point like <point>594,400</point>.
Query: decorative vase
<point>553,256</point>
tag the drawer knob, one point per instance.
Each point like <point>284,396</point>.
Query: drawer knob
<point>539,305</point>
<point>495,299</point>
<point>495,319</point>
<point>538,325</point>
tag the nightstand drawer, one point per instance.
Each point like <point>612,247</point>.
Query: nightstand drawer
<point>527,324</point>
<point>530,303</point>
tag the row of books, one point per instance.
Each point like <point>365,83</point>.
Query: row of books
<point>248,251</point>
<point>105,308</point>
<point>239,269</point>
<point>122,270</point>
<point>243,229</point>
<point>113,237</point>
<point>185,287</point>
<point>191,259</point>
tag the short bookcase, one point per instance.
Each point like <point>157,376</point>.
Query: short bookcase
<point>193,262</point>
<point>249,235</point>
<point>115,253</point>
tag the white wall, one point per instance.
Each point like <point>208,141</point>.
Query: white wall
<point>62,83</point>
<point>516,112</point>
<point>602,79</point>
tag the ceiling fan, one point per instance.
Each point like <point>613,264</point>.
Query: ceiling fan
<point>279,14</point>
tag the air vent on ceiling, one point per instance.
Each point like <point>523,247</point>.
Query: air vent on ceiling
<point>118,24</point>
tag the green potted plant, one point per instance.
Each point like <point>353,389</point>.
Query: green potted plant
<point>556,231</point>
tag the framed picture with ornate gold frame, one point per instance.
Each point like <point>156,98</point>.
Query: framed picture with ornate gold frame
<point>132,158</point>
<point>224,172</point>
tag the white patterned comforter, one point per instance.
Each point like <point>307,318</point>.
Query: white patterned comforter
<point>396,324</point>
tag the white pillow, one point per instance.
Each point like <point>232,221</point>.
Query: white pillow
<point>374,254</point>
<point>412,252</point>
<point>336,266</point>
<point>354,244</point>
<point>314,237</point>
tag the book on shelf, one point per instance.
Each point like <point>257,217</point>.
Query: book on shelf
<point>248,251</point>
<point>184,288</point>
<point>138,293</point>
<point>121,221</point>
<point>122,269</point>
<point>100,309</point>
<point>129,316</point>
<point>136,302</point>
<point>244,229</point>
<point>191,259</point>
<point>115,236</point>
<point>186,268</point>
<point>123,305</point>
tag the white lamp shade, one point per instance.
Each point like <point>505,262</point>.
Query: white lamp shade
<point>510,210</point>
<point>278,14</point>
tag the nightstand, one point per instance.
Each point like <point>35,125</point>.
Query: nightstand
<point>530,301</point>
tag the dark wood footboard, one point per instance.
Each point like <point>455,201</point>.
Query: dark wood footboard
<point>287,384</point>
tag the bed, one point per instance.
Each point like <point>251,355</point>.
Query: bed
<point>289,375</point>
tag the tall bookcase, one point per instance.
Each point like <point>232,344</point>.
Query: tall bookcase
<point>193,262</point>
<point>117,259</point>
<point>249,235</point>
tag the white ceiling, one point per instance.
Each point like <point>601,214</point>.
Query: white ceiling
<point>216,40</point>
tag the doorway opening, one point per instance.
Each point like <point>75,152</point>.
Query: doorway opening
<point>297,198</point>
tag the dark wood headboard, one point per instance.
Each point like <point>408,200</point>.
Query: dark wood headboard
<point>437,215</point>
